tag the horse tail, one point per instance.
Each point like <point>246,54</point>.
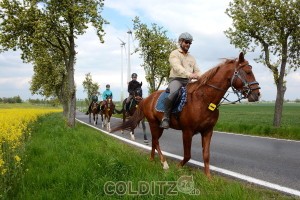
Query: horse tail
<point>133,121</point>
<point>119,111</point>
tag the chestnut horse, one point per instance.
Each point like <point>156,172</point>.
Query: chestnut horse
<point>108,110</point>
<point>199,115</point>
<point>95,111</point>
<point>137,97</point>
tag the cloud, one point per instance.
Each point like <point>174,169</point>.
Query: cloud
<point>205,20</point>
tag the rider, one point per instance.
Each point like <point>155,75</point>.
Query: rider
<point>106,94</point>
<point>93,98</point>
<point>132,86</point>
<point>183,68</point>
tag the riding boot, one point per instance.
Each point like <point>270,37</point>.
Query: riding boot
<point>166,119</point>
<point>127,109</point>
<point>87,112</point>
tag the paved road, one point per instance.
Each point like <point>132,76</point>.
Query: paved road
<point>271,160</point>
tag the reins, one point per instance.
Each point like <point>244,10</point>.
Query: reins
<point>241,94</point>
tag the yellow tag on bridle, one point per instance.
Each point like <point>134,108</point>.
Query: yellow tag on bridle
<point>212,106</point>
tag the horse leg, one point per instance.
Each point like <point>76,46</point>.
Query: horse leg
<point>156,132</point>
<point>108,123</point>
<point>206,138</point>
<point>124,118</point>
<point>144,131</point>
<point>132,134</point>
<point>187,136</point>
<point>94,117</point>
<point>90,120</point>
<point>102,120</point>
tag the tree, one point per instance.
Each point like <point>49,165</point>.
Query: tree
<point>155,48</point>
<point>45,32</point>
<point>274,26</point>
<point>89,86</point>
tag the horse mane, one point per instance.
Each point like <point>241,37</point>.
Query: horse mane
<point>208,75</point>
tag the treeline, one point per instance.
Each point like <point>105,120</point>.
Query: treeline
<point>52,102</point>
<point>15,99</point>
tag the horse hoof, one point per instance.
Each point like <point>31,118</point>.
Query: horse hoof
<point>165,165</point>
<point>146,141</point>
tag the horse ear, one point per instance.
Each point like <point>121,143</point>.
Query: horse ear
<point>141,84</point>
<point>241,57</point>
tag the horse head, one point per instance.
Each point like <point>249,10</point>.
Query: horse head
<point>94,107</point>
<point>109,103</point>
<point>243,80</point>
<point>138,93</point>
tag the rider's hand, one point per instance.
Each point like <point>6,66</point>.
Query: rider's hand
<point>193,76</point>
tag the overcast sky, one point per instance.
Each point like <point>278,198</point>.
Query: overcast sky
<point>205,20</point>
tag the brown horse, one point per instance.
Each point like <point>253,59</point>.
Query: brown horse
<point>199,115</point>
<point>94,109</point>
<point>107,111</point>
<point>134,103</point>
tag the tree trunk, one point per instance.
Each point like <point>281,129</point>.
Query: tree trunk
<point>281,88</point>
<point>65,108</point>
<point>279,105</point>
<point>71,85</point>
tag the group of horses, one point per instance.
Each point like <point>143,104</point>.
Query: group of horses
<point>105,112</point>
<point>108,108</point>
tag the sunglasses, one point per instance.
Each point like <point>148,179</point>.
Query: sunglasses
<point>187,42</point>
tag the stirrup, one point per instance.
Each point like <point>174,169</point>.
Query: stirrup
<point>165,123</point>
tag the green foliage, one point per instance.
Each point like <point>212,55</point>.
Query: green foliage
<point>89,86</point>
<point>45,32</point>
<point>155,48</point>
<point>272,25</point>
<point>64,163</point>
<point>15,99</point>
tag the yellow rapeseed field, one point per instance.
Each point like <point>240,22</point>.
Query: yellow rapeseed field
<point>13,131</point>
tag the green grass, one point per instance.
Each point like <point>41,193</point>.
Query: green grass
<point>64,163</point>
<point>257,119</point>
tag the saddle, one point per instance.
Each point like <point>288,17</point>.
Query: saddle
<point>132,103</point>
<point>178,103</point>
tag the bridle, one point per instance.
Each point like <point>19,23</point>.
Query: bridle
<point>239,73</point>
<point>109,103</point>
<point>94,106</point>
<point>138,94</point>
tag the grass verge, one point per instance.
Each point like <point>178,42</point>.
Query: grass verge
<point>64,163</point>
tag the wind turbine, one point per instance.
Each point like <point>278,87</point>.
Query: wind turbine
<point>122,89</point>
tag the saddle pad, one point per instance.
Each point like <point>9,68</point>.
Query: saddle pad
<point>178,105</point>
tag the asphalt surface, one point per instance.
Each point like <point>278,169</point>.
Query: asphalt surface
<point>271,160</point>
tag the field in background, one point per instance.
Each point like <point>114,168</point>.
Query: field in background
<point>257,119</point>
